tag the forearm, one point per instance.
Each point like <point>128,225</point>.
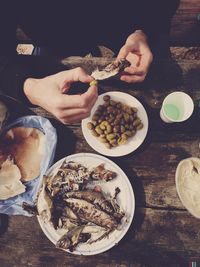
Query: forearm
<point>15,70</point>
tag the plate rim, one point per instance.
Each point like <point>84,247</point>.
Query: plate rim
<point>86,137</point>
<point>131,190</point>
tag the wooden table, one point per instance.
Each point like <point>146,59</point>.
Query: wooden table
<point>163,233</point>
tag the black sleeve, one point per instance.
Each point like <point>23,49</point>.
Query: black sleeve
<point>12,71</point>
<point>15,69</point>
<point>154,16</point>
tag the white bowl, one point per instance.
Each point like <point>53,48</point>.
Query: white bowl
<point>133,143</point>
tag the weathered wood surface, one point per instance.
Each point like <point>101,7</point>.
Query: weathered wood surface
<point>185,27</point>
<point>163,233</point>
<point>156,238</point>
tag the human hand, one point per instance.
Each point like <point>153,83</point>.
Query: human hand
<point>137,52</point>
<point>50,94</point>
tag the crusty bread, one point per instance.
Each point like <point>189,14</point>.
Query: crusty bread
<point>10,184</point>
<point>26,147</point>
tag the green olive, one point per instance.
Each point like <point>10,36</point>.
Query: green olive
<point>94,83</point>
<point>124,136</point>
<point>107,145</point>
<point>116,122</point>
<point>110,136</point>
<point>111,120</point>
<point>119,105</point>
<point>106,98</point>
<point>116,129</point>
<point>122,129</point>
<point>100,108</point>
<point>119,116</point>
<point>90,125</point>
<point>106,104</point>
<point>131,118</point>
<point>94,133</point>
<point>113,142</point>
<point>121,141</point>
<point>123,122</point>
<point>97,113</point>
<point>136,122</point>
<point>134,110</point>
<point>129,110</point>
<point>112,102</point>
<point>98,130</point>
<point>140,126</point>
<point>103,140</point>
<point>110,109</point>
<point>109,128</point>
<point>103,125</point>
<point>95,118</point>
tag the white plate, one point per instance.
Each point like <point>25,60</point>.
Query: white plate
<point>188,185</point>
<point>125,199</point>
<point>133,143</point>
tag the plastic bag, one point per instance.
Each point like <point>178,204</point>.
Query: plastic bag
<point>13,206</point>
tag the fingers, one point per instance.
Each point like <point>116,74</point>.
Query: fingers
<point>65,78</point>
<point>79,101</point>
<point>138,72</point>
<point>123,52</point>
<point>132,78</point>
<point>76,107</point>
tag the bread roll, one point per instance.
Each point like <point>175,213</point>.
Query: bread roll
<point>10,184</point>
<point>26,147</point>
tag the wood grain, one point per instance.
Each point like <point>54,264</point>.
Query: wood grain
<point>163,233</point>
<point>149,242</point>
<point>185,27</point>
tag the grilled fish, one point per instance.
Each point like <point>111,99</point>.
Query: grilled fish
<point>89,212</point>
<point>97,199</point>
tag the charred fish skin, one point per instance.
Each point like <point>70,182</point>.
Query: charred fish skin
<point>72,238</point>
<point>101,173</point>
<point>93,197</point>
<point>89,212</point>
<point>109,206</point>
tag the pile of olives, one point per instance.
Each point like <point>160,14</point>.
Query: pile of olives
<point>114,122</point>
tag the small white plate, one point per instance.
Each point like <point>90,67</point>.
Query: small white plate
<point>188,184</point>
<point>125,199</point>
<point>133,143</point>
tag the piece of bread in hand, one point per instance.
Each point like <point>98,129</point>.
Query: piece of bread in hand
<point>10,184</point>
<point>26,147</point>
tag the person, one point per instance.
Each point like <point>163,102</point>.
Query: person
<point>132,28</point>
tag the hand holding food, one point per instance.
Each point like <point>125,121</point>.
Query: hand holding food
<point>51,94</point>
<point>138,53</point>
